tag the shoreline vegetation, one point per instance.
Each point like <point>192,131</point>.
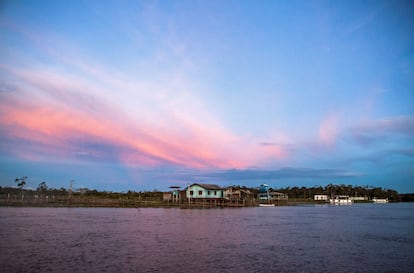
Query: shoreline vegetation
<point>49,197</point>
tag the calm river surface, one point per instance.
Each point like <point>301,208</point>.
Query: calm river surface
<point>325,238</point>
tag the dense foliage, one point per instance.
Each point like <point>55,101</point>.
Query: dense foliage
<point>80,193</point>
<point>330,190</point>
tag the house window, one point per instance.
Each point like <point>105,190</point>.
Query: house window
<point>191,192</point>
<point>200,192</point>
<point>215,192</point>
<point>208,192</point>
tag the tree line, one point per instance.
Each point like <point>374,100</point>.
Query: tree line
<point>292,192</point>
<point>331,190</point>
<point>43,189</point>
<point>341,189</point>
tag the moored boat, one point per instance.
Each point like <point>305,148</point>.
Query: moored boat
<point>266,205</point>
<point>380,200</point>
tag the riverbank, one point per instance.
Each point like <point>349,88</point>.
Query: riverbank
<point>126,203</point>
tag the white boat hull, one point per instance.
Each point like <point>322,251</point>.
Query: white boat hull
<point>380,201</point>
<point>266,205</point>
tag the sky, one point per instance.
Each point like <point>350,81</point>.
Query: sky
<point>144,95</point>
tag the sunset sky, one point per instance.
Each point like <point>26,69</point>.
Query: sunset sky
<point>143,95</point>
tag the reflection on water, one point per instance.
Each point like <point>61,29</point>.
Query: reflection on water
<point>357,238</point>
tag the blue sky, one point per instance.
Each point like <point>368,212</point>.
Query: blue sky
<point>142,95</point>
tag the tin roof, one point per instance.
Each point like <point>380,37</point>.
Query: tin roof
<point>208,186</point>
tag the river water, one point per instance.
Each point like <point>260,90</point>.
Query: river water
<point>323,238</point>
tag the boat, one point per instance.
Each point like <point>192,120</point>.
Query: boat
<point>341,200</point>
<point>266,205</point>
<point>380,200</point>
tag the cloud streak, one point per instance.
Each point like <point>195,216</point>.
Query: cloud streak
<point>370,132</point>
<point>263,175</point>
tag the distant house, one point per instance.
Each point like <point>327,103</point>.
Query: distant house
<point>272,196</point>
<point>204,191</point>
<point>268,196</point>
<point>176,195</point>
<point>278,195</point>
<point>232,193</point>
<point>359,198</point>
<point>321,197</point>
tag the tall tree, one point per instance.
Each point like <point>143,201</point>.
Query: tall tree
<point>42,187</point>
<point>21,182</point>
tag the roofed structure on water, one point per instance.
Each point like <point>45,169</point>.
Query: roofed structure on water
<point>204,191</point>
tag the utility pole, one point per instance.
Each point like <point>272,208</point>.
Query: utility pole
<point>189,196</point>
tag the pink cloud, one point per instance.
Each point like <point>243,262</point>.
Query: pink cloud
<point>148,122</point>
<point>54,126</point>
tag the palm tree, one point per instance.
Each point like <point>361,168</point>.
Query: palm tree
<point>21,182</point>
<point>42,187</point>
